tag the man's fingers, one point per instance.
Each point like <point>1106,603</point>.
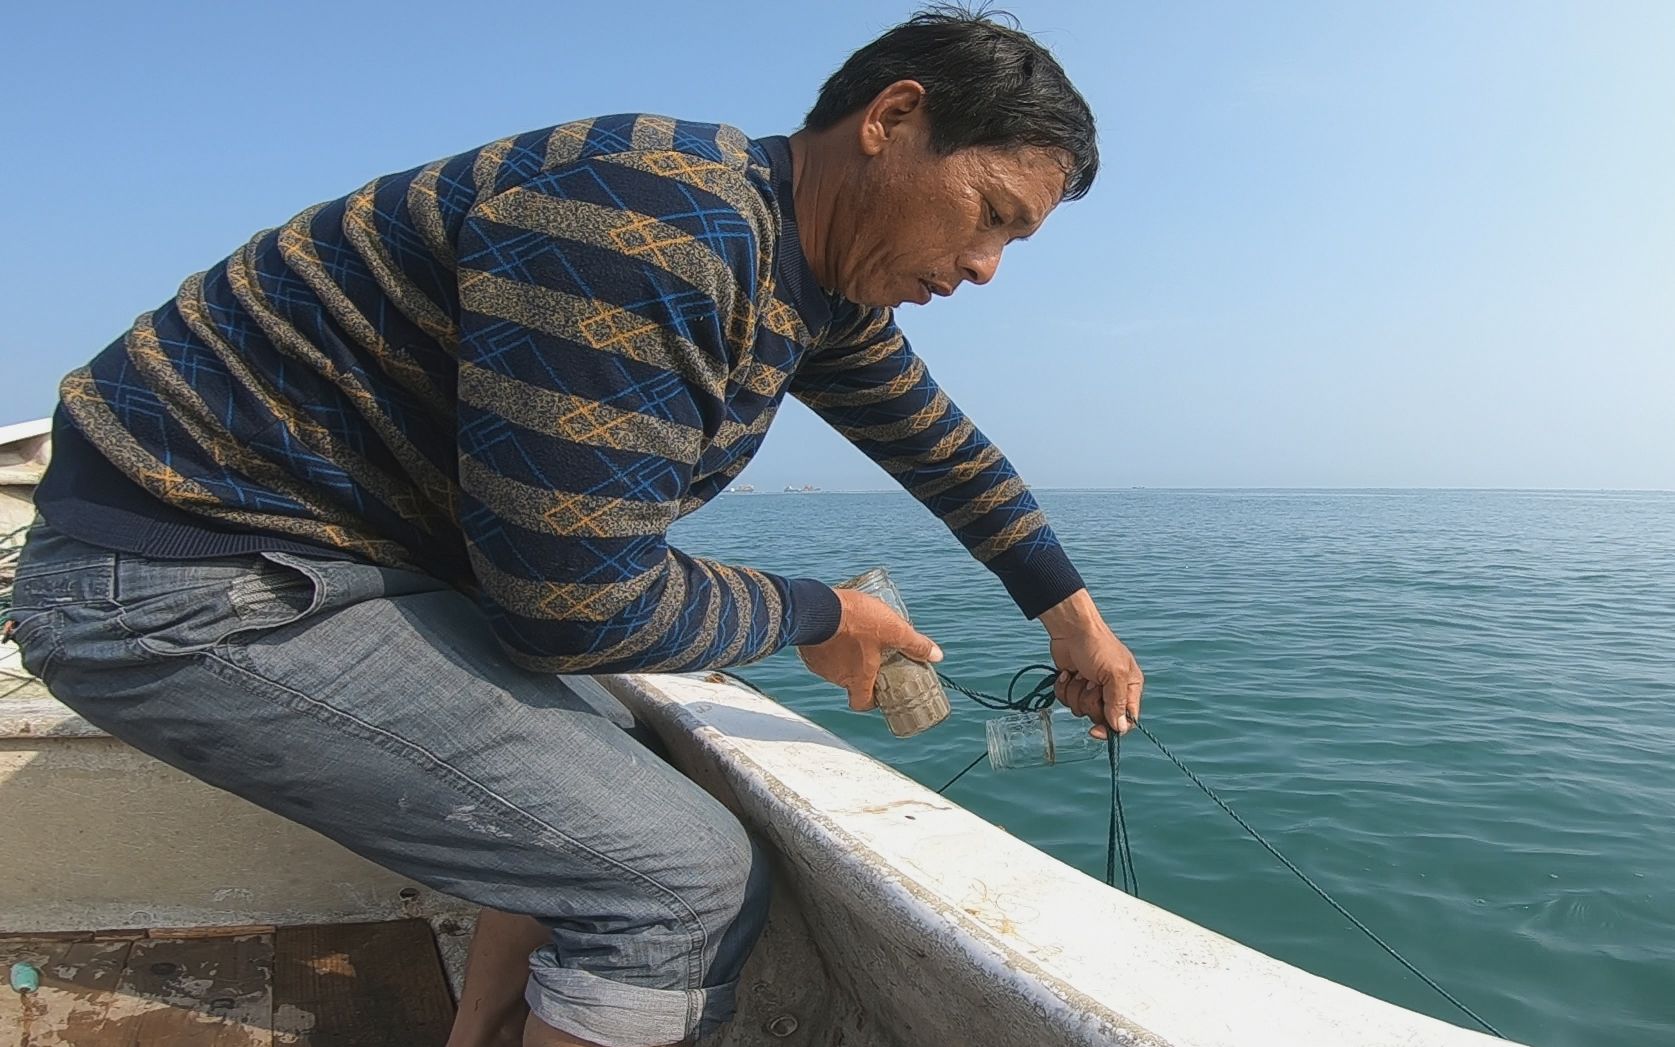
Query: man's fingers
<point>1102,710</point>
<point>860,695</point>
<point>1112,705</point>
<point>1087,696</point>
<point>1069,690</point>
<point>858,680</point>
<point>1072,690</point>
<point>1121,703</point>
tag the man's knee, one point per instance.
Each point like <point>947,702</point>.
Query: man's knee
<point>733,886</point>
<point>691,898</point>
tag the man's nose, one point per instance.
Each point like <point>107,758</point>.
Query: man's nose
<point>980,268</point>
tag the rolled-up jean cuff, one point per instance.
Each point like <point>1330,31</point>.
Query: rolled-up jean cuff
<point>612,1014</point>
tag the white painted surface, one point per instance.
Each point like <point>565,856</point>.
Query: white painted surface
<point>24,450</point>
<point>18,432</point>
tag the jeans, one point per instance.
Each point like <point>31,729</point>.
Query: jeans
<point>376,707</point>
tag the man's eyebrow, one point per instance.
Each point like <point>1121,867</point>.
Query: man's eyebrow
<point>1028,219</point>
<point>1023,214</point>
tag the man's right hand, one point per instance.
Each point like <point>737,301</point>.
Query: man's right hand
<point>868,629</point>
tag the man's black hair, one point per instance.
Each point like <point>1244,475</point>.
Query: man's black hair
<point>986,81</point>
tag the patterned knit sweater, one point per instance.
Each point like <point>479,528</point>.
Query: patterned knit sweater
<point>515,368</point>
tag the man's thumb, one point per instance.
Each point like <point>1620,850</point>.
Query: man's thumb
<point>920,648</point>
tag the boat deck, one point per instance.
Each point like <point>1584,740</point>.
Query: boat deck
<point>321,985</point>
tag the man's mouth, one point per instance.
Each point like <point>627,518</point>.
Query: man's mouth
<point>928,290</point>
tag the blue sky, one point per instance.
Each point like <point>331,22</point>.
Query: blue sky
<point>1415,244</point>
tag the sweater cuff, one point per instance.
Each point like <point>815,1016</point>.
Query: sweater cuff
<point>1039,582</point>
<point>813,613</point>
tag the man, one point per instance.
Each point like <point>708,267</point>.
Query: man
<point>320,528</point>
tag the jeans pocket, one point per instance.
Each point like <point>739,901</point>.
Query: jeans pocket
<point>190,609</point>
<point>276,594</point>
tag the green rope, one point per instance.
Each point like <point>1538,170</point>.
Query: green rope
<point>1116,837</point>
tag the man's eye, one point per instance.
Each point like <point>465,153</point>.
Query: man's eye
<point>994,216</point>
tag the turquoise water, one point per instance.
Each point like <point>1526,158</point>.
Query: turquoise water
<point>1452,709</point>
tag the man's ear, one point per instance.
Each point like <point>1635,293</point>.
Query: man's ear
<point>882,121</point>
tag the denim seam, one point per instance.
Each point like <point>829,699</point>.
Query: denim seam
<point>218,662</point>
<point>56,567</point>
<point>23,628</point>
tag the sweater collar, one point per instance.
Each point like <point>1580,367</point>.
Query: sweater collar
<point>791,267</point>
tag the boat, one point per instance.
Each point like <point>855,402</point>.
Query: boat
<point>158,909</point>
<point>24,450</point>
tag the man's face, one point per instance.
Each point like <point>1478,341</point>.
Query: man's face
<point>916,224</point>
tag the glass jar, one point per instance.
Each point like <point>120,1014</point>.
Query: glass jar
<point>1052,736</point>
<point>908,692</point>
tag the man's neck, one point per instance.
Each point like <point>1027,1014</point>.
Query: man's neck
<point>813,193</point>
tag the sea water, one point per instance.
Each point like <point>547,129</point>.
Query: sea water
<point>1454,709</point>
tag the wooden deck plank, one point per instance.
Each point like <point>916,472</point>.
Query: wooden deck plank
<point>360,985</point>
<point>201,992</point>
<point>77,980</point>
<point>348,985</point>
<point>234,931</point>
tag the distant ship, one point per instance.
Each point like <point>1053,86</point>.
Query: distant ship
<point>804,489</point>
<point>741,489</point>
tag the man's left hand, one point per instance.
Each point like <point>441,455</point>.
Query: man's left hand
<point>1098,676</point>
